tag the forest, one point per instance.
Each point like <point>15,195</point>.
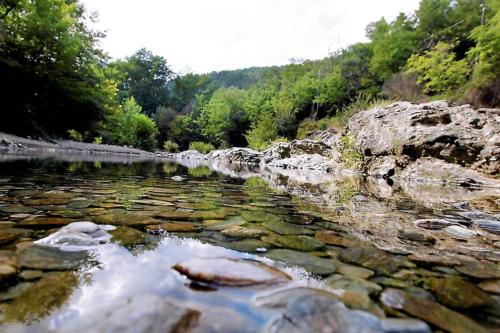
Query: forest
<point>56,82</point>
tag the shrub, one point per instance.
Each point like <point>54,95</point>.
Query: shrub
<point>200,171</point>
<point>263,133</point>
<point>97,140</point>
<point>170,146</point>
<point>351,157</point>
<point>201,147</point>
<point>75,135</point>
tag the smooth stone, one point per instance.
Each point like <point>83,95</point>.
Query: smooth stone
<point>159,316</point>
<point>230,271</point>
<point>248,245</point>
<point>434,259</point>
<point>10,235</point>
<point>45,223</point>
<point>259,216</point>
<point>430,311</point>
<point>492,226</point>
<point>416,236</point>
<point>77,235</point>
<point>280,298</point>
<point>171,227</point>
<point>226,224</point>
<point>360,299</point>
<point>177,178</point>
<point>459,232</point>
<point>30,274</point>
<point>302,243</point>
<point>79,204</point>
<point>127,236</point>
<point>51,258</point>
<point>374,259</point>
<point>491,286</point>
<point>353,271</point>
<point>107,205</point>
<point>161,190</point>
<point>7,271</point>
<point>315,313</point>
<point>332,238</point>
<point>40,298</point>
<point>243,232</point>
<point>152,202</point>
<point>17,208</point>
<point>124,219</point>
<point>337,281</point>
<point>285,228</point>
<point>432,224</point>
<point>307,261</point>
<point>479,269</point>
<point>405,325</point>
<point>10,258</point>
<point>46,201</point>
<point>66,213</point>
<point>391,282</point>
<point>457,293</point>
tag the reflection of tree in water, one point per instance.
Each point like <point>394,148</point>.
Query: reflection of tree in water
<point>200,171</point>
<point>169,168</point>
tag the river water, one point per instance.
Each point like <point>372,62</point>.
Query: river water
<point>343,236</point>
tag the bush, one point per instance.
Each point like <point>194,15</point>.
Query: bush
<point>75,135</point>
<point>170,146</point>
<point>351,157</point>
<point>97,140</point>
<point>201,147</point>
<point>263,133</point>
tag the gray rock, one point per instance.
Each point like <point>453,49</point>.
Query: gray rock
<point>405,325</point>
<point>236,155</point>
<point>307,261</point>
<point>456,134</point>
<point>459,232</point>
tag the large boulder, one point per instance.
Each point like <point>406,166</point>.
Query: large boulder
<point>283,150</point>
<point>456,134</point>
<point>236,154</point>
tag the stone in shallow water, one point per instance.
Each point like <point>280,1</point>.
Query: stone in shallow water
<point>10,235</point>
<point>127,236</point>
<point>404,325</point>
<point>284,228</point>
<point>30,274</point>
<point>229,223</point>
<point>457,293</point>
<point>124,219</point>
<point>432,224</point>
<point>40,299</point>
<point>302,243</point>
<point>152,202</point>
<point>7,271</point>
<point>317,312</point>
<point>51,258</point>
<point>353,271</point>
<point>77,235</point>
<point>46,201</point>
<point>248,245</point>
<point>459,232</point>
<point>243,232</point>
<point>416,236</point>
<point>434,259</point>
<point>332,238</point>
<point>430,311</point>
<point>479,269</point>
<point>338,281</point>
<point>159,316</point>
<point>491,286</point>
<point>45,223</point>
<point>16,208</point>
<point>374,259</point>
<point>171,227</point>
<point>231,272</point>
<point>259,216</point>
<point>307,261</point>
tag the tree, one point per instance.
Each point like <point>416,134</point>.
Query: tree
<point>438,70</point>
<point>129,126</point>
<point>263,132</point>
<point>223,120</point>
<point>144,76</point>
<point>52,74</point>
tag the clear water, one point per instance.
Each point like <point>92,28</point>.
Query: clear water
<point>39,196</point>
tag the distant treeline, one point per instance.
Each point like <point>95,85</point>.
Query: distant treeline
<point>56,82</point>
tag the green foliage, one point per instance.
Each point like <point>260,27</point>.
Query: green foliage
<point>170,146</point>
<point>438,70</point>
<point>130,126</point>
<point>75,135</point>
<point>201,147</point>
<point>222,119</point>
<point>97,140</point>
<point>263,133</point>
<point>200,171</point>
<point>351,157</point>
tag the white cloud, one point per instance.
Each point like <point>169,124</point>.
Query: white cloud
<point>204,35</point>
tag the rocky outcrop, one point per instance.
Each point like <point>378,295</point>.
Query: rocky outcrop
<point>236,155</point>
<point>459,135</point>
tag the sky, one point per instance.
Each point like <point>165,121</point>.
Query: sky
<point>201,36</point>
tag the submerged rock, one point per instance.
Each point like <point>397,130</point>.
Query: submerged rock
<point>374,259</point>
<point>77,235</point>
<point>302,243</point>
<point>285,228</point>
<point>430,311</point>
<point>313,312</point>
<point>457,293</point>
<point>45,223</point>
<point>480,269</point>
<point>10,235</point>
<point>51,258</point>
<point>405,325</point>
<point>231,272</point>
<point>459,232</point>
<point>159,316</point>
<point>338,281</point>
<point>307,261</point>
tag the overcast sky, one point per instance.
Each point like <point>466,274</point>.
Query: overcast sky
<point>207,35</point>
